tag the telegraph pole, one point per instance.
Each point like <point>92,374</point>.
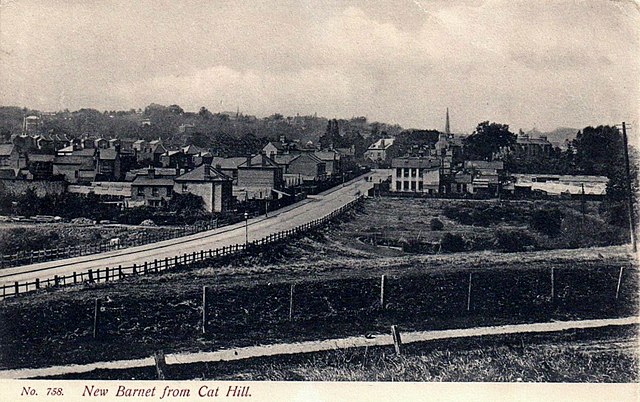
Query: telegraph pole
<point>632,223</point>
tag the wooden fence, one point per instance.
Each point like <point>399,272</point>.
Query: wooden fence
<point>119,272</point>
<point>36,256</point>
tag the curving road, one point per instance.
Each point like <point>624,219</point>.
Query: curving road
<point>284,219</point>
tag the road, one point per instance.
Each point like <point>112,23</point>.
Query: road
<point>257,228</point>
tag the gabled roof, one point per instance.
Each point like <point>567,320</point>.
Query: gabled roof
<point>228,163</point>
<point>84,152</point>
<point>382,144</point>
<point>259,161</point>
<point>204,173</point>
<point>285,159</point>
<point>156,181</point>
<point>108,154</point>
<point>66,149</point>
<point>80,161</point>
<point>41,158</point>
<point>328,155</point>
<point>278,145</point>
<point>497,165</point>
<point>415,162</point>
<point>6,149</point>
<point>192,150</point>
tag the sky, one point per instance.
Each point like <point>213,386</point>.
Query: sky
<point>542,64</point>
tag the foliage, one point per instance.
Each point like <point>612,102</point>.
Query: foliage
<point>487,140</point>
<point>436,224</point>
<point>452,243</point>
<point>548,222</point>
<point>514,240</point>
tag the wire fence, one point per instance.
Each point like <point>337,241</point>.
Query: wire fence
<point>159,265</point>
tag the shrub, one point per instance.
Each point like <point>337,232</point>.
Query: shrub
<point>452,243</point>
<point>514,240</point>
<point>436,224</point>
<point>548,222</point>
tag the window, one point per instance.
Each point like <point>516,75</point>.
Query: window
<point>413,172</point>
<point>413,186</point>
<point>141,191</point>
<point>406,185</point>
<point>398,185</point>
<point>420,186</point>
<point>406,172</point>
<point>420,172</point>
<point>398,172</point>
<point>184,187</point>
<point>155,191</point>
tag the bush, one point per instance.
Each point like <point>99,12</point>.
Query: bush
<point>514,240</point>
<point>436,224</point>
<point>548,222</point>
<point>452,243</point>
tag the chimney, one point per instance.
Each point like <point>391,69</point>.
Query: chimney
<point>218,166</point>
<point>207,170</point>
<point>248,161</point>
<point>151,172</point>
<point>282,139</point>
<point>382,143</point>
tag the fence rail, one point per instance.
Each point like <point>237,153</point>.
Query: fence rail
<point>36,256</point>
<point>120,272</point>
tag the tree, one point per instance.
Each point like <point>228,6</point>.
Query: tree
<point>487,140</point>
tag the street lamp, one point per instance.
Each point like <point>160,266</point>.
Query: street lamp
<point>246,229</point>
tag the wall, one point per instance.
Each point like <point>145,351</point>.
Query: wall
<point>41,187</point>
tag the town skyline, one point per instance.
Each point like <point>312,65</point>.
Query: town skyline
<point>543,65</point>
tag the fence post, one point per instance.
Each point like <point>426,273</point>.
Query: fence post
<point>552,284</point>
<point>205,308</point>
<point>135,271</point>
<point>75,278</point>
<point>166,263</point>
<point>291,291</point>
<point>469,293</point>
<point>37,283</point>
<point>619,282</point>
<point>106,274</point>
<point>90,275</point>
<point>193,258</point>
<point>17,290</point>
<point>145,269</point>
<point>383,280</point>
<point>161,364</point>
<point>96,318</point>
<point>120,275</point>
<point>56,280</point>
<point>155,265</point>
<point>397,341</point>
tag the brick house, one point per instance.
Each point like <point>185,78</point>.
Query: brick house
<point>213,186</point>
<point>152,190</point>
<point>416,175</point>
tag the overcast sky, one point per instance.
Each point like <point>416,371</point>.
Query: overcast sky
<point>532,63</point>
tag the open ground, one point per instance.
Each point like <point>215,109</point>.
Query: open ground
<point>336,277</point>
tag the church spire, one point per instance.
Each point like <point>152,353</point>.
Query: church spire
<point>447,127</point>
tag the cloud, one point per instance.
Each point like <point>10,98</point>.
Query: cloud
<point>546,63</point>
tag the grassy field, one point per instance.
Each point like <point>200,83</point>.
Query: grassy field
<point>405,225</point>
<point>15,237</point>
<point>594,355</point>
<point>336,294</point>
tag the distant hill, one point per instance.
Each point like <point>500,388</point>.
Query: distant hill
<point>558,136</point>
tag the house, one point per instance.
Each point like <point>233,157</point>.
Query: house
<point>379,151</point>
<point>100,143</point>
<point>40,166</point>
<point>44,143</point>
<point>416,175</point>
<point>274,148</point>
<point>152,152</point>
<point>175,159</point>
<point>259,177</point>
<point>485,176</point>
<point>76,167</point>
<point>213,186</point>
<point>528,147</point>
<point>108,166</point>
<point>331,159</point>
<point>228,166</point>
<point>306,165</point>
<point>10,157</point>
<point>152,190</point>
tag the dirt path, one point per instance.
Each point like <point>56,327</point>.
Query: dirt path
<point>318,346</point>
